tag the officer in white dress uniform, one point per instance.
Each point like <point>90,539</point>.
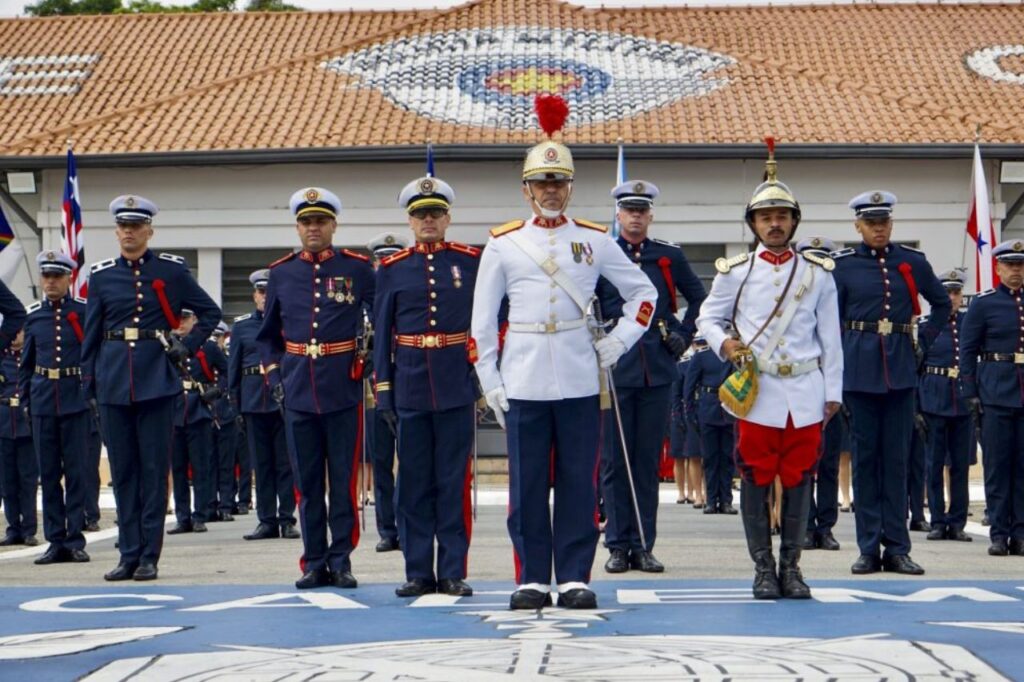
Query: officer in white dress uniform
<point>546,389</point>
<point>785,309</point>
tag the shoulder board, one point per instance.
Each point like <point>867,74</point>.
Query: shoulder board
<point>987,292</point>
<point>34,307</point>
<point>464,248</point>
<point>356,255</point>
<point>241,318</point>
<point>724,265</point>
<point>826,263</point>
<point>102,265</point>
<point>79,299</point>
<point>665,243</point>
<point>842,253</point>
<point>911,248</point>
<point>283,259</point>
<point>589,225</point>
<point>395,257</point>
<point>174,258</point>
<point>507,227</point>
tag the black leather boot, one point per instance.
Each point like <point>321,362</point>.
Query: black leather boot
<point>757,528</point>
<point>796,503</point>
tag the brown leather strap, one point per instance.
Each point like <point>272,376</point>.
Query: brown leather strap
<point>778,302</point>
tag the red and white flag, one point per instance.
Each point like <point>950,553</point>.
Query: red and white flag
<point>980,228</point>
<point>72,240</point>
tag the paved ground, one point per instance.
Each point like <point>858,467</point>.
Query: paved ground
<point>226,609</point>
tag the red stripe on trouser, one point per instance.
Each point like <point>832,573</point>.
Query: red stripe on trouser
<point>768,451</point>
<point>467,509</point>
<point>298,508</point>
<point>516,563</point>
<point>353,483</point>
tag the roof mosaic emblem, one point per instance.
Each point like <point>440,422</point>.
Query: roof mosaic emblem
<point>488,77</point>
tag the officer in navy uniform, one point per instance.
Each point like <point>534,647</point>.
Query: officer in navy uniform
<point>193,448</point>
<point>241,461</point>
<point>264,423</point>
<point>130,363</point>
<point>949,423</point>
<point>225,436</point>
<point>716,427</point>
<point>379,438</point>
<point>50,384</point>
<point>12,319</point>
<point>426,385</point>
<point>314,312</point>
<point>547,389</point>
<point>20,468</point>
<point>824,507</point>
<point>992,371</point>
<point>643,380</point>
<point>879,283</point>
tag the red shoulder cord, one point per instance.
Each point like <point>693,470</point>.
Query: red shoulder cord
<point>908,277</point>
<point>165,305</point>
<point>201,356</point>
<point>665,263</point>
<point>75,326</point>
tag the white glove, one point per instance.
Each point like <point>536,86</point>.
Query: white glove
<point>498,401</point>
<point>609,350</point>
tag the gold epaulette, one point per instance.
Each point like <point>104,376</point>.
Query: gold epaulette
<point>825,262</point>
<point>464,248</point>
<point>589,225</point>
<point>395,257</point>
<point>724,265</point>
<point>507,227</point>
<point>356,255</point>
<point>284,259</point>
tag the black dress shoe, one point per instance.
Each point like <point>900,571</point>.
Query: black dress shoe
<point>145,571</point>
<point>901,563</point>
<point>866,564</point>
<point>810,540</point>
<point>240,511</point>
<point>31,540</point>
<point>579,598</point>
<point>828,542</point>
<point>529,600</point>
<point>920,526</point>
<point>1016,547</point>
<point>264,531</point>
<point>417,587</point>
<point>958,535</point>
<point>79,556</point>
<point>618,562</point>
<point>985,520</point>
<point>225,516</point>
<point>11,540</point>
<point>290,532</point>
<point>91,527</point>
<point>938,532</point>
<point>318,577</point>
<point>181,528</point>
<point>387,545</point>
<point>999,547</point>
<point>53,555</point>
<point>454,587</point>
<point>198,527</point>
<point>344,579</point>
<point>727,509</point>
<point>710,509</point>
<point>124,571</point>
<point>645,562</point>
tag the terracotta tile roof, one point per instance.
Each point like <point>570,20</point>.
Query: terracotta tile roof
<point>830,74</point>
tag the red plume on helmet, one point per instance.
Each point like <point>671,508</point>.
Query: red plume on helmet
<point>552,112</point>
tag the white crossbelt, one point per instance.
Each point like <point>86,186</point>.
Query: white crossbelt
<point>546,327</point>
<point>551,269</point>
<point>789,369</point>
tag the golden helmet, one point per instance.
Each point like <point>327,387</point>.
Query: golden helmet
<point>548,160</point>
<point>771,193</point>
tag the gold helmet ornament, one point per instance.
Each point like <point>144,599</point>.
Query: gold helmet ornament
<point>771,193</point>
<point>549,160</point>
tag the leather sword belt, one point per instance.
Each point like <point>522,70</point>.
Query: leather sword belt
<point>546,327</point>
<point>882,327</point>
<point>58,372</point>
<point>1015,358</point>
<point>13,401</point>
<point>438,340</point>
<point>951,372</point>
<point>789,369</point>
<point>316,350</point>
<point>255,369</point>
<point>132,334</point>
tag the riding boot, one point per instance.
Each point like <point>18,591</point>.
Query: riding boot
<point>795,505</point>
<point>757,527</point>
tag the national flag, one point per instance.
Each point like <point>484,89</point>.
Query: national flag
<point>430,160</point>
<point>11,252</point>
<point>72,239</point>
<point>980,228</point>
<point>620,177</point>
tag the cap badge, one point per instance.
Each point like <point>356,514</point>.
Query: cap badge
<point>50,255</point>
<point>639,188</point>
<point>1018,246</point>
<point>389,240</point>
<point>816,242</point>
<point>312,196</point>
<point>426,186</point>
<point>876,198</point>
<point>130,202</point>
<point>551,155</point>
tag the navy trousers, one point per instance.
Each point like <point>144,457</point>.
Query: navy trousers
<point>717,444</point>
<point>433,497</point>
<point>20,470</point>
<point>644,421</point>
<point>880,430</point>
<point>139,438</point>
<point>61,444</point>
<point>559,440</point>
<point>824,509</point>
<point>193,447</point>
<point>226,486</point>
<point>92,474</point>
<point>1002,455</point>
<point>243,466</point>
<point>917,479</point>
<point>318,444</point>
<point>382,453</point>
<point>950,439</point>
<point>275,485</point>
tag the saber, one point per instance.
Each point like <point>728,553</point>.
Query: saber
<point>476,450</point>
<point>597,329</point>
<point>368,402</point>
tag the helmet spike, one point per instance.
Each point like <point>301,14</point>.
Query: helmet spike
<point>771,168</point>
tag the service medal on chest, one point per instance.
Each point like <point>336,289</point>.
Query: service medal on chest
<point>577,251</point>
<point>456,276</point>
<point>588,250</point>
